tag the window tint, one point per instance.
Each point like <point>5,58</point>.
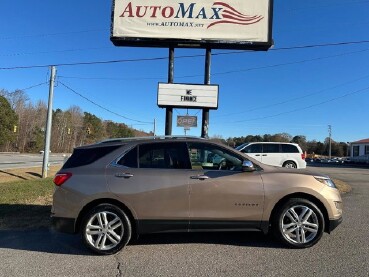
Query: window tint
<point>205,156</point>
<point>129,159</point>
<point>355,151</point>
<point>164,155</point>
<point>253,148</point>
<point>289,148</point>
<point>85,156</point>
<point>270,148</point>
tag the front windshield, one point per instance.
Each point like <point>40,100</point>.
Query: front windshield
<point>241,146</point>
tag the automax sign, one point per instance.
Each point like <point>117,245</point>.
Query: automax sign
<point>188,96</point>
<point>236,24</point>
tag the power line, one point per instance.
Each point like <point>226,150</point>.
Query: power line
<point>295,98</point>
<point>51,34</point>
<point>218,73</point>
<point>28,88</point>
<point>52,52</point>
<point>304,108</point>
<point>101,107</point>
<point>185,56</point>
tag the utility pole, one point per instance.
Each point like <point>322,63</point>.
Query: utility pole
<point>205,111</point>
<point>330,140</point>
<point>169,110</point>
<point>45,163</point>
<point>154,127</point>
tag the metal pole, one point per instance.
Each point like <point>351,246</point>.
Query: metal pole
<point>330,141</point>
<point>205,112</point>
<point>154,127</point>
<point>169,110</point>
<point>45,163</point>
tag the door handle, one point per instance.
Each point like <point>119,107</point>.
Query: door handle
<point>265,155</point>
<point>200,177</point>
<point>124,175</point>
<point>257,155</point>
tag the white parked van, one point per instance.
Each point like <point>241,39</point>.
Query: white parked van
<point>283,154</point>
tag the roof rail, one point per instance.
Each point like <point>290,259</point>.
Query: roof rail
<point>149,138</point>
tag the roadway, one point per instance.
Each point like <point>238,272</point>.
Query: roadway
<point>16,160</point>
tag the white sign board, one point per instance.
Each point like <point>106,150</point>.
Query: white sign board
<point>152,23</point>
<point>188,96</point>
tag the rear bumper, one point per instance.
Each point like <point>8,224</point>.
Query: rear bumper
<point>333,223</point>
<point>63,224</point>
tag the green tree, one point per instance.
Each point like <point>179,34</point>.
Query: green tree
<point>117,130</point>
<point>300,140</point>
<point>8,123</point>
<point>93,127</point>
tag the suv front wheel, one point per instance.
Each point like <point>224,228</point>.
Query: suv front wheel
<point>298,223</point>
<point>106,229</point>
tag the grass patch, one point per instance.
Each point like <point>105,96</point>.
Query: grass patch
<point>21,174</point>
<point>342,186</point>
<point>26,204</point>
<point>27,192</point>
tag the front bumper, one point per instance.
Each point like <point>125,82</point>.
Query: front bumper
<point>333,223</point>
<point>63,224</point>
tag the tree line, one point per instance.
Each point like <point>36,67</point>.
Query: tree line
<point>22,129</point>
<point>22,126</point>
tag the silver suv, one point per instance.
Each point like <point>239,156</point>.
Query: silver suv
<point>116,189</point>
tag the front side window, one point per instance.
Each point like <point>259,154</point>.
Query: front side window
<point>366,149</point>
<point>207,156</point>
<point>163,155</point>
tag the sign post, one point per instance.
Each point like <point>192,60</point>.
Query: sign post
<point>206,24</point>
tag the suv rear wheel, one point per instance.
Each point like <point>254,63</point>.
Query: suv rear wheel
<point>298,223</point>
<point>106,229</point>
<point>289,164</point>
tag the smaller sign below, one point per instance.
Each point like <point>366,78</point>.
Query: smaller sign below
<point>186,121</point>
<point>188,96</point>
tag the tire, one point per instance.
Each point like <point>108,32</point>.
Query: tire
<point>298,223</point>
<point>106,229</point>
<point>290,164</point>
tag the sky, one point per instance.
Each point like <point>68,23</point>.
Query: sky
<point>292,88</point>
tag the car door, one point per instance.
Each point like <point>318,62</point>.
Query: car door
<point>152,180</point>
<point>222,196</point>
<point>271,154</point>
<point>253,150</point>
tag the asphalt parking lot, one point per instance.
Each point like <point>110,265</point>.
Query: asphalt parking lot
<point>342,253</point>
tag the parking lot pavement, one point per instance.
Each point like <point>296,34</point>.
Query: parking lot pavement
<point>342,253</point>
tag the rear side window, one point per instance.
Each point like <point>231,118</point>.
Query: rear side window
<point>289,148</point>
<point>270,148</point>
<point>85,156</point>
<point>164,155</point>
<point>129,159</point>
<point>253,148</point>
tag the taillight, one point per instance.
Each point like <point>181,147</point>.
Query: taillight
<point>61,178</point>
<point>303,156</point>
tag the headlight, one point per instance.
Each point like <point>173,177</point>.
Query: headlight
<point>326,181</point>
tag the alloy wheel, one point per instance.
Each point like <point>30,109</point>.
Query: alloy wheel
<point>104,230</point>
<point>300,224</point>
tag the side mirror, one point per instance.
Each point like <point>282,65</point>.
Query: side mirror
<point>248,166</point>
